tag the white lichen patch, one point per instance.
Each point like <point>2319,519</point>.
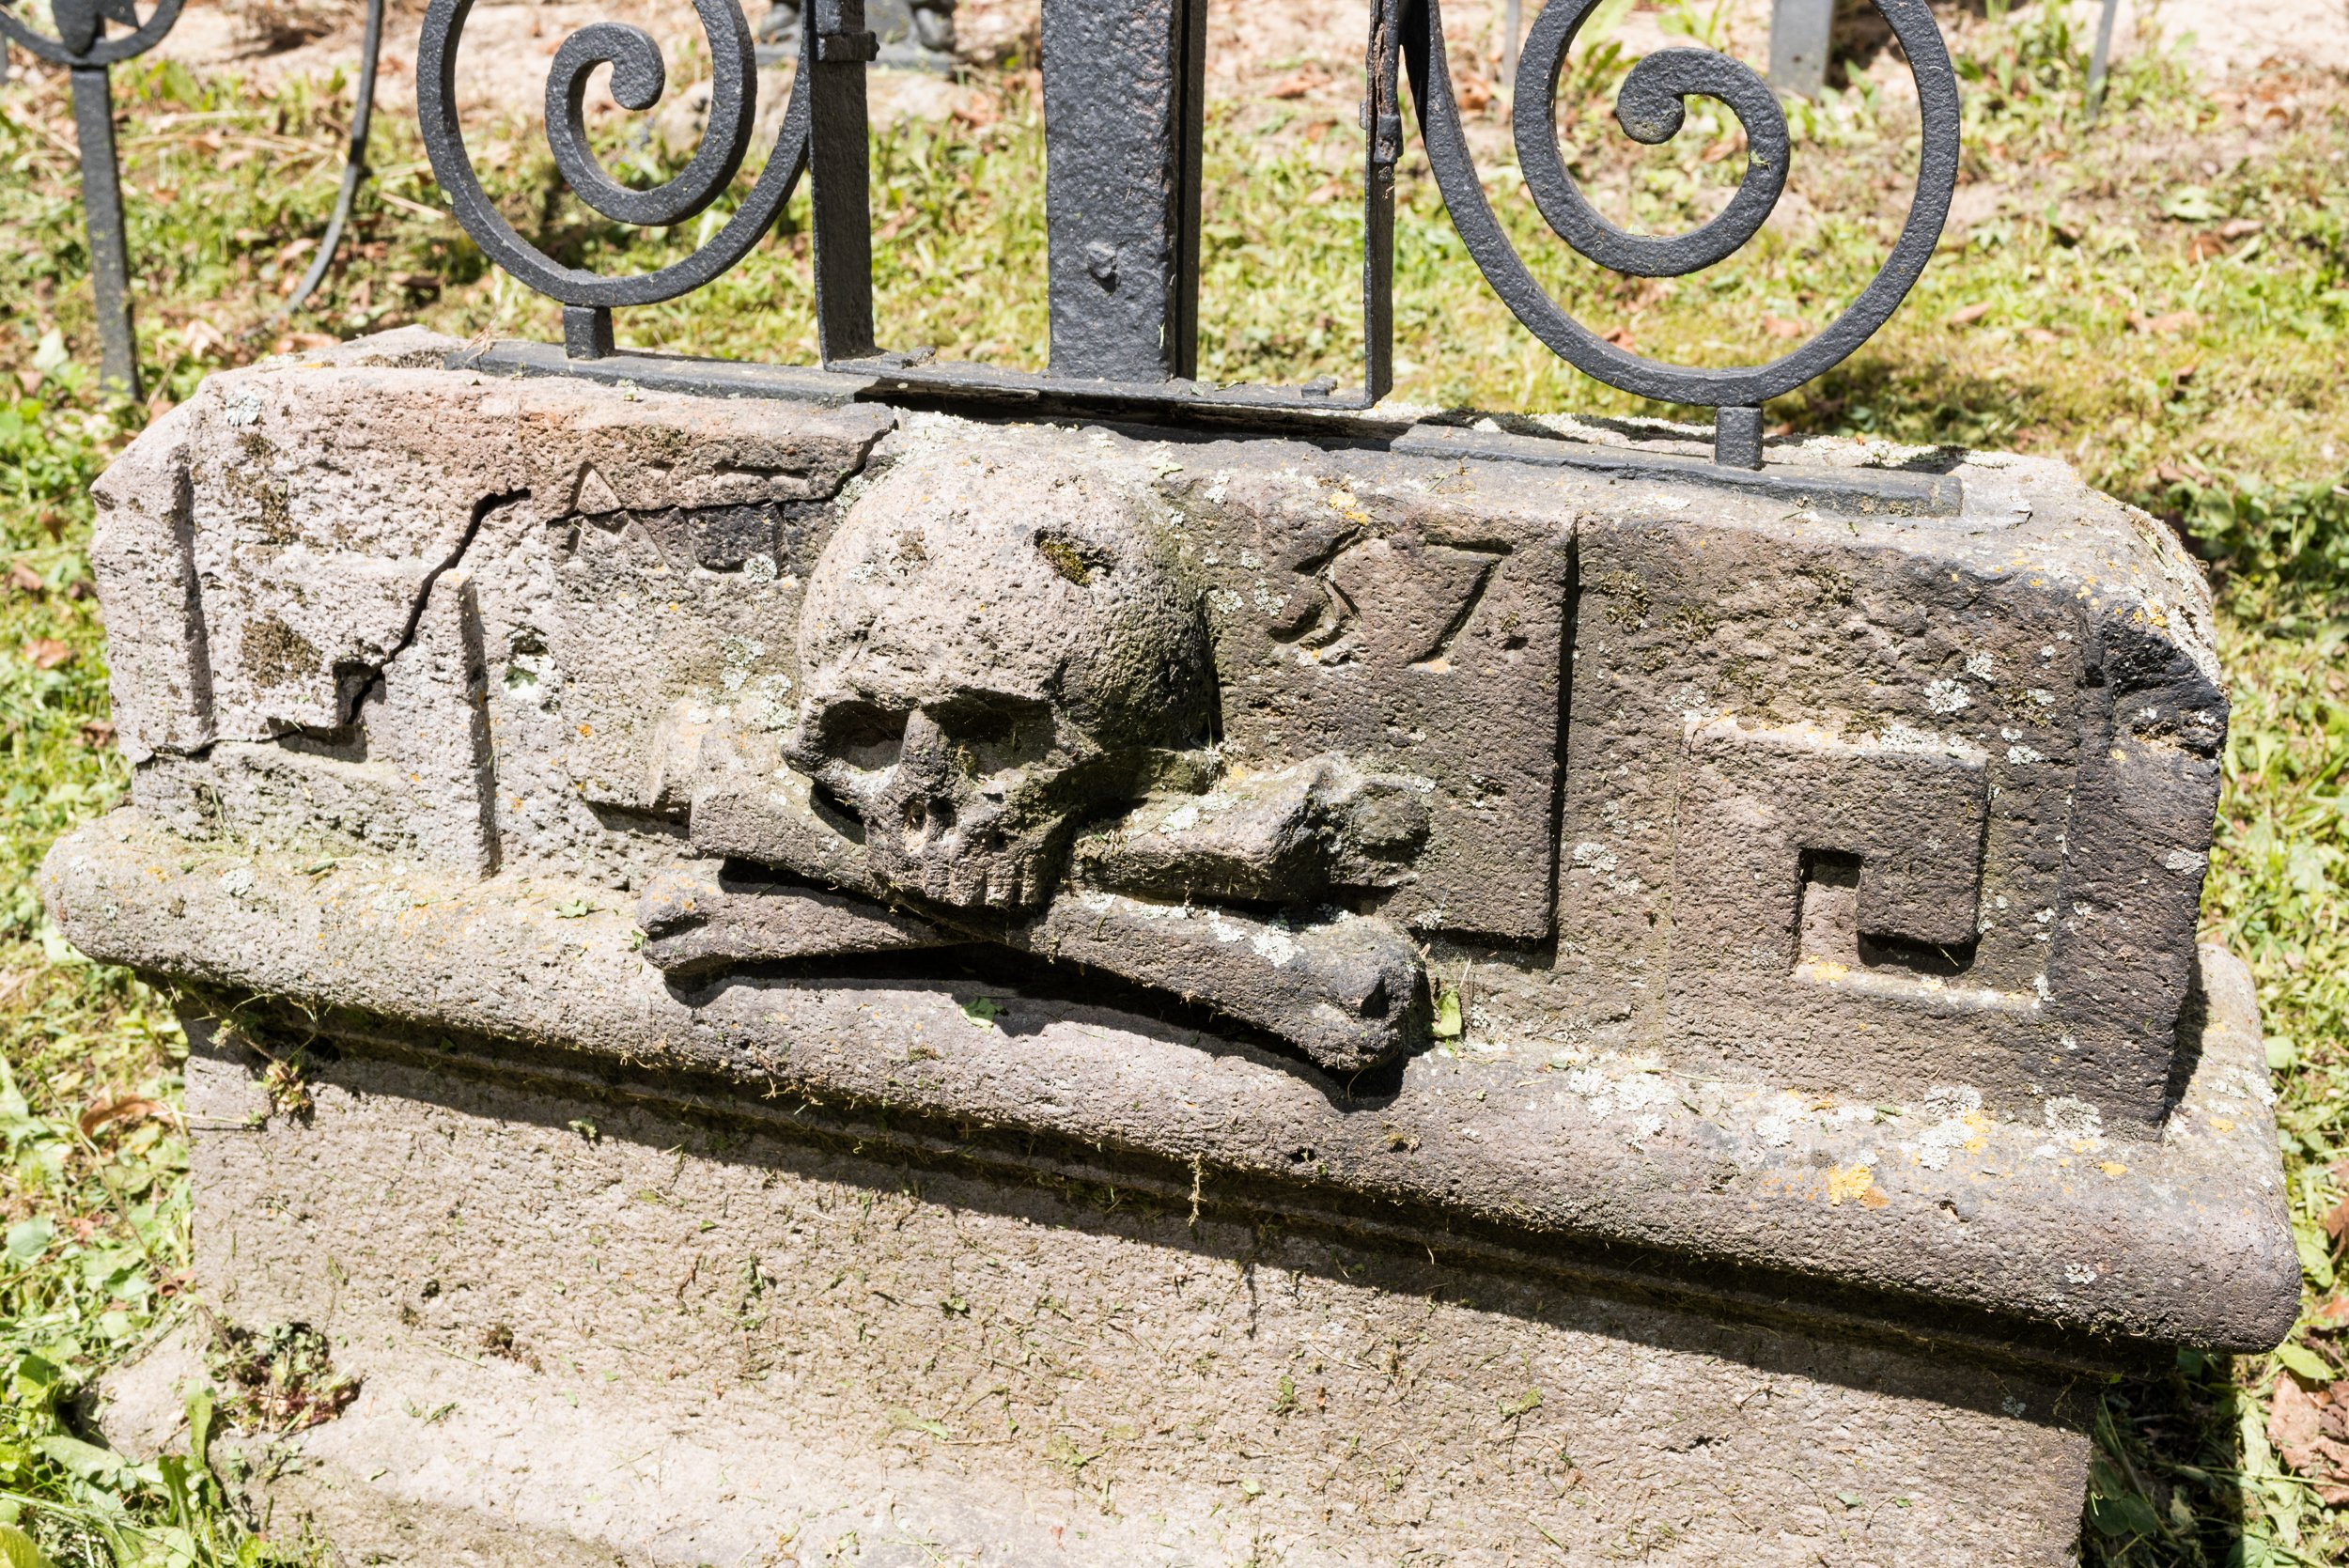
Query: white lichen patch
<point>1640,1093</point>
<point>1959,1125</point>
<point>1601,862</point>
<point>1948,697</point>
<point>2069,1116</point>
<point>1776,1128</point>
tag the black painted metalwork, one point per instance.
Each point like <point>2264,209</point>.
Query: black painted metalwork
<point>914,34</point>
<point>83,47</point>
<point>1123,81</point>
<point>354,165</point>
<point>1123,85</point>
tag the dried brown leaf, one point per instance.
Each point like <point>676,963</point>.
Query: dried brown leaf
<point>2293,1419</point>
<point>2163,325</point>
<point>132,1109</point>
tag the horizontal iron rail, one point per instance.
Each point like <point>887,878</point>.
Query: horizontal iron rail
<point>982,390</point>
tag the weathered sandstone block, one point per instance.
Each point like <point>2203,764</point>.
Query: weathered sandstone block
<point>1373,988</point>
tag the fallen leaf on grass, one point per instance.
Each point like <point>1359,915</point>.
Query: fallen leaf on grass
<point>1784,326</point>
<point>2292,1417</point>
<point>1297,84</point>
<point>47,653</point>
<point>1620,337</point>
<point>134,1110</point>
<point>2039,334</point>
<point>201,337</point>
<point>97,734</point>
<point>22,575</point>
<point>2296,1427</point>
<point>2162,326</point>
<point>1967,316</point>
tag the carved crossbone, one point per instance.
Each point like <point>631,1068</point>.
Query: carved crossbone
<point>1006,692</point>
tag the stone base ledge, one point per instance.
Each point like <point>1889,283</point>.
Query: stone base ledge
<point>1931,1217</point>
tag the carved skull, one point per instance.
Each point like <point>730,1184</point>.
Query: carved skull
<point>989,651</point>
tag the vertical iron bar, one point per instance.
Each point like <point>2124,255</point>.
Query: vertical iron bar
<point>835,48</point>
<point>1799,32</point>
<point>1192,135</point>
<point>1382,128</point>
<point>102,206</point>
<point>354,165</point>
<point>1123,89</point>
<point>2101,60</point>
<point>586,332</point>
<point>1737,436</point>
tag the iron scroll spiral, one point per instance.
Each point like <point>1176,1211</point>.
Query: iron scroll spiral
<point>638,79</point>
<point>1649,109</point>
<point>81,40</point>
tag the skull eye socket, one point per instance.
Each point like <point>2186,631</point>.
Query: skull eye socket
<point>995,732</point>
<point>864,736</point>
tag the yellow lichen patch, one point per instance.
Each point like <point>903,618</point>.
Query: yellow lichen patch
<point>2113,1168</point>
<point>1857,1183</point>
<point>1976,1132</point>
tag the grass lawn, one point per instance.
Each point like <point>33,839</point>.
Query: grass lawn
<point>2160,298</point>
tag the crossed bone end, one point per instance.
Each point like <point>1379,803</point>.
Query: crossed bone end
<point>1347,989</point>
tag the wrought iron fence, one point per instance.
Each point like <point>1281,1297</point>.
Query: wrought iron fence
<point>82,46</point>
<point>1124,84</point>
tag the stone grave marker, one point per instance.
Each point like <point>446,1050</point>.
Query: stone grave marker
<point>902,962</point>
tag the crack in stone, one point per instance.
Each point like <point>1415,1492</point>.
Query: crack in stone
<point>353,692</point>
